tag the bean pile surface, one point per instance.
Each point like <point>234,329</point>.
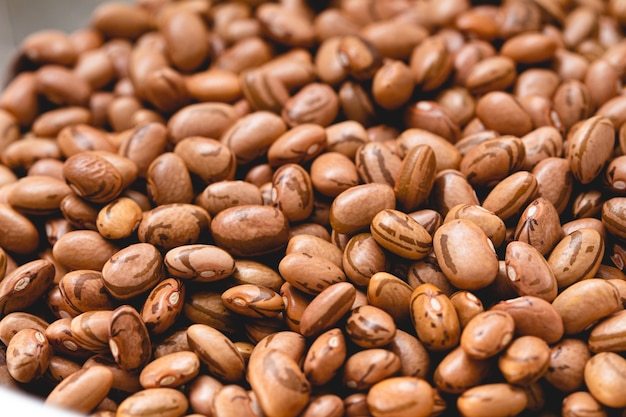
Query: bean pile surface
<point>387,208</point>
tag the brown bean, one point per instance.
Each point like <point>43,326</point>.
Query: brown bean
<point>487,334</point>
<point>415,397</point>
<point>366,367</point>
<point>28,355</point>
<point>216,351</point>
<point>129,339</point>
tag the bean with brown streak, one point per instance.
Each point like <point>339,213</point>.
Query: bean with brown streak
<point>253,301</point>
<point>93,177</point>
<point>400,234</point>
<point>168,180</point>
<point>163,305</point>
<point>61,86</point>
<point>377,163</point>
<point>84,290</point>
<point>370,327</point>
<point>325,357</point>
<point>315,103</point>
<point>467,305</point>
<point>297,145</point>
<point>513,193</point>
<point>202,263</point>
<point>362,258</point>
<point>473,272</point>
<point>493,160</point>
<point>327,308</point>
<point>434,318</point>
<point>431,63</point>
<point>14,322</point>
<point>292,192</point>
<point>129,339</point>
<point>132,270</point>
<point>366,367</point>
<point>567,363</point>
<point>555,181</point>
<point>491,74</point>
<point>608,334</point>
<point>280,386</point>
<point>216,351</point>
<point>21,288</point>
<point>308,273</point>
<point>540,226</point>
<point>119,218</point>
<point>577,256</point>
<point>191,225</point>
<point>590,147</point>
<point>529,271</point>
<point>28,355</point>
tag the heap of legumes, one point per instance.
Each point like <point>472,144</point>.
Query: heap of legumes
<point>387,208</point>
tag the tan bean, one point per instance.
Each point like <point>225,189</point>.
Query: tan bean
<point>28,355</point>
<point>366,367</point>
<point>347,214</point>
<point>487,334</point>
<point>327,308</point>
<point>129,339</point>
<point>458,372</point>
<point>571,266</point>
<point>83,390</point>
<point>465,273</point>
<point>167,402</point>
<point>132,270</point>
<point>415,397</point>
<point>400,234</point>
<point>279,384</point>
<point>203,263</point>
<point>325,357</point>
<point>498,399</point>
<point>192,223</point>
<point>308,273</point>
<point>602,371</point>
<point>163,305</point>
<point>434,318</point>
<point>570,305</point>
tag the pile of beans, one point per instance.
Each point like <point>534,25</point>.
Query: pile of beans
<point>387,208</point>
